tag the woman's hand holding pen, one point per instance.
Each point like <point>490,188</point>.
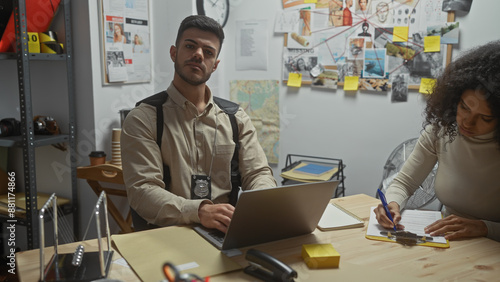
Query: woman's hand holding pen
<point>384,220</point>
<point>455,227</point>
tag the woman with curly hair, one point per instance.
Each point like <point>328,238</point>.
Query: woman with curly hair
<point>462,134</point>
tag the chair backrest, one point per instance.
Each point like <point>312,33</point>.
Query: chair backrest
<point>425,193</point>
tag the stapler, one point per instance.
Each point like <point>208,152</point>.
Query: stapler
<point>268,268</point>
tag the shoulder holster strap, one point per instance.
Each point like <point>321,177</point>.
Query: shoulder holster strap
<point>230,108</point>
<point>157,101</point>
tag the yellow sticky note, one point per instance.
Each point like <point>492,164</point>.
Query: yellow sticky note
<point>432,44</point>
<point>33,42</point>
<point>400,34</point>
<point>320,256</point>
<point>310,1</point>
<point>351,83</point>
<point>294,79</point>
<point>426,85</point>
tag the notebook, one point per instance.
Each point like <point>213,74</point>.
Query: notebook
<point>298,173</point>
<point>271,214</point>
<point>336,217</point>
<point>314,169</point>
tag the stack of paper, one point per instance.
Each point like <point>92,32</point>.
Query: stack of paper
<point>310,172</point>
<point>335,217</point>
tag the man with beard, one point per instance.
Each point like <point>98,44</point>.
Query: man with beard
<point>196,147</point>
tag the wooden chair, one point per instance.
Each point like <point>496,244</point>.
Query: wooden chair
<point>110,173</point>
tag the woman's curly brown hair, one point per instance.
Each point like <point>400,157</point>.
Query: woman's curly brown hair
<point>476,69</point>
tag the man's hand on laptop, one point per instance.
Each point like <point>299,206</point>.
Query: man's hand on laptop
<point>217,216</point>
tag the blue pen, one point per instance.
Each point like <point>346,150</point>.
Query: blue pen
<point>384,203</point>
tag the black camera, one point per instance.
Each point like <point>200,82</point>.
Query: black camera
<point>10,127</point>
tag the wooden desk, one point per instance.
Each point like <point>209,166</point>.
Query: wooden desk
<point>360,259</point>
<point>111,174</point>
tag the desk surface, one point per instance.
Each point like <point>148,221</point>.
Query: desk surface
<point>360,259</point>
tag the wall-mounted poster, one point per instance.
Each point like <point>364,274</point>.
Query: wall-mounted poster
<point>125,41</point>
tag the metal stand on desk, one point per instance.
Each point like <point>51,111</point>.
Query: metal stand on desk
<point>298,159</point>
<point>79,266</point>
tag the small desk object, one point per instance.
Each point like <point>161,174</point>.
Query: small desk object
<point>361,259</point>
<point>302,168</point>
<point>111,174</point>
<point>79,265</point>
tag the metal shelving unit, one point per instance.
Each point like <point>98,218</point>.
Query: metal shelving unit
<point>28,141</point>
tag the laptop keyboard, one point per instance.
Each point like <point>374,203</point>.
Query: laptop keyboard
<point>217,235</point>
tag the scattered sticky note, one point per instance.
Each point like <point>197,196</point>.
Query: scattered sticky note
<point>432,44</point>
<point>320,256</point>
<point>400,34</point>
<point>351,83</point>
<point>310,1</point>
<point>294,79</point>
<point>426,85</point>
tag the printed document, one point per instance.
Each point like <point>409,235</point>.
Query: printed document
<point>413,220</point>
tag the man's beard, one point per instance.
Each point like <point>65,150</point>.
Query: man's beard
<point>186,78</point>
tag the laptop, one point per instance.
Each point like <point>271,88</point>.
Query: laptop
<point>270,214</point>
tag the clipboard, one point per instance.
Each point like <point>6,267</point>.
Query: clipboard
<point>407,238</point>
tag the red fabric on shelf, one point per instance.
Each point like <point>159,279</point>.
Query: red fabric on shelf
<point>39,15</point>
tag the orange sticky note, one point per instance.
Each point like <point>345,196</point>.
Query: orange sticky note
<point>400,34</point>
<point>294,79</point>
<point>426,85</point>
<point>432,44</point>
<point>351,83</point>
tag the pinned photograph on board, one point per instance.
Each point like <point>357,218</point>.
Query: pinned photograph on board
<point>356,67</point>
<point>365,30</point>
<point>383,36</point>
<point>362,7</point>
<point>399,87</point>
<point>383,13</point>
<point>327,79</point>
<point>374,65</point>
<point>295,61</point>
<point>374,84</point>
<point>335,13</point>
<point>305,23</point>
<point>457,5</point>
<point>356,48</point>
<point>448,31</point>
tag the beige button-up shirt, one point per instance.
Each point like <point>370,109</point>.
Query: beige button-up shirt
<point>190,146</point>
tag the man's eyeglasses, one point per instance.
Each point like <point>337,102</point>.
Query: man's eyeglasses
<point>173,275</point>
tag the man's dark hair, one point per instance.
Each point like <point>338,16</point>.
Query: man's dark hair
<point>476,69</point>
<point>203,23</point>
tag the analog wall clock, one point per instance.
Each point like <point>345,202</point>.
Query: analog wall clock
<point>216,9</point>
